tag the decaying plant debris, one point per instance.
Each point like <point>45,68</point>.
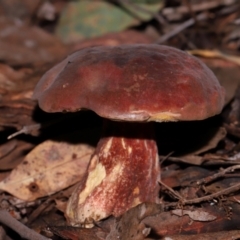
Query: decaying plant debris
<point>200,161</point>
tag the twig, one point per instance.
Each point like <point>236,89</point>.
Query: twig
<point>220,193</point>
<point>190,9</point>
<point>21,229</point>
<point>29,129</point>
<point>36,212</point>
<point>218,175</point>
<point>181,27</point>
<point>26,130</point>
<point>175,194</point>
<point>209,197</point>
<point>166,157</point>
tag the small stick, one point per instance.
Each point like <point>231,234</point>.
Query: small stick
<point>26,130</point>
<point>225,191</point>
<point>175,194</point>
<point>181,27</point>
<point>166,157</point>
<point>218,175</point>
<point>209,197</point>
<point>21,229</point>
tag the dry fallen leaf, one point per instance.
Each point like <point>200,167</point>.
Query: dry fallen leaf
<point>29,45</point>
<point>215,54</point>
<point>48,168</point>
<point>225,67</point>
<point>221,235</point>
<point>16,113</point>
<point>130,225</point>
<point>197,215</point>
<point>211,139</point>
<point>13,152</point>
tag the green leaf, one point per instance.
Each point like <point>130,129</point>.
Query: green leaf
<point>143,9</point>
<point>86,19</point>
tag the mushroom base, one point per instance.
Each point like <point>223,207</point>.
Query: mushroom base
<point>123,172</point>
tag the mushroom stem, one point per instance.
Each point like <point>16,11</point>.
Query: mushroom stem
<point>123,172</point>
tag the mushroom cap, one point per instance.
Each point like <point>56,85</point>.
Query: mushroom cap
<point>140,82</point>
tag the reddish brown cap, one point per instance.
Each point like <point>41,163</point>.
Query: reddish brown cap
<point>141,82</point>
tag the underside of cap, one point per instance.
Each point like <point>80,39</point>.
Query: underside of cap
<point>141,82</point>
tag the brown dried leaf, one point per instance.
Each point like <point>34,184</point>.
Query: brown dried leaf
<point>18,9</point>
<point>221,235</point>
<point>48,168</point>
<point>130,225</point>
<point>29,45</point>
<point>8,77</point>
<point>227,73</point>
<point>77,233</point>
<point>196,215</point>
<point>16,113</point>
<point>6,148</point>
<point>166,223</point>
<point>19,84</point>
<point>215,54</point>
<point>211,140</point>
<point>176,177</point>
<point>12,153</point>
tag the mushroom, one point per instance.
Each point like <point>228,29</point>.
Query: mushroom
<point>130,87</point>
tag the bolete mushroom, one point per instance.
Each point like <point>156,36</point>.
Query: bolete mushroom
<point>130,87</point>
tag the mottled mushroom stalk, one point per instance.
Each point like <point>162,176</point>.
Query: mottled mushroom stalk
<point>123,172</point>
